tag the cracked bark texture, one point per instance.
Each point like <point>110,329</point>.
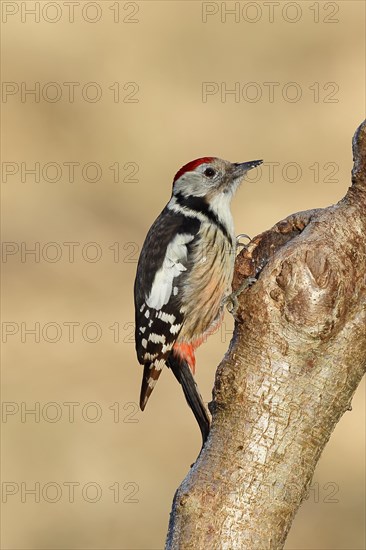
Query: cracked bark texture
<point>296,358</point>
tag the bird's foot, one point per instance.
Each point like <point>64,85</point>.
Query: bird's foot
<point>232,302</point>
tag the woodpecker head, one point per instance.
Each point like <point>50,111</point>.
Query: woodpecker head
<point>210,177</point>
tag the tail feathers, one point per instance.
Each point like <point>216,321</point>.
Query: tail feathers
<point>149,379</point>
<point>184,375</point>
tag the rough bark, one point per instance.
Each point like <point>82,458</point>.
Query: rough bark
<point>296,358</point>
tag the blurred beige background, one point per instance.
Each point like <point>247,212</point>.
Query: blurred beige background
<point>106,473</point>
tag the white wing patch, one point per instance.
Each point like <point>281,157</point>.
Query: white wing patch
<point>166,317</point>
<point>157,338</point>
<point>150,356</point>
<point>175,328</point>
<point>173,266</point>
<point>167,347</point>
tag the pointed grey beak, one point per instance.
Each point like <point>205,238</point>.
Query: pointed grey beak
<point>240,168</point>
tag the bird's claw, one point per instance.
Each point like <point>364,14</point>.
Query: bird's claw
<point>242,236</point>
<point>232,302</point>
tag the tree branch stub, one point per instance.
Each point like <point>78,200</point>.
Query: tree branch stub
<point>296,358</point>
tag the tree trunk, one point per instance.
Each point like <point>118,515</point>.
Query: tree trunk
<point>296,358</point>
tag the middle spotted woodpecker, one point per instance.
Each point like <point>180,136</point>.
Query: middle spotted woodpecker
<point>184,275</point>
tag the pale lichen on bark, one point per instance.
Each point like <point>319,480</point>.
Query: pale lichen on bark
<point>296,358</point>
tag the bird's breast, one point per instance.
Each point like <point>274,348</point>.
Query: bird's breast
<point>208,283</point>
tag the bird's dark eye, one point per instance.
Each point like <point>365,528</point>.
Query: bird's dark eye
<point>209,172</point>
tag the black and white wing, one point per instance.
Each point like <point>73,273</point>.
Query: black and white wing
<point>161,271</point>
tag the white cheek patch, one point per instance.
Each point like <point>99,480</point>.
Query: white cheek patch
<point>221,206</point>
<point>191,183</point>
<point>173,266</point>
